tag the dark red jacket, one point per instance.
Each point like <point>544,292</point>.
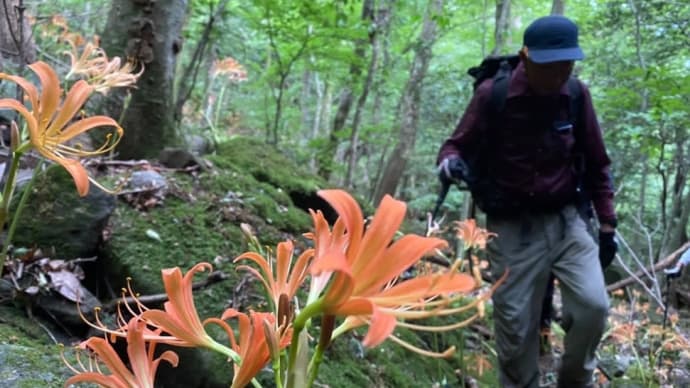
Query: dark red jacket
<point>528,163</point>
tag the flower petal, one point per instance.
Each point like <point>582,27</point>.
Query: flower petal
<point>347,209</point>
<point>50,91</point>
<point>379,234</point>
<point>84,125</point>
<point>380,328</point>
<point>74,168</point>
<point>397,258</point>
<point>75,99</point>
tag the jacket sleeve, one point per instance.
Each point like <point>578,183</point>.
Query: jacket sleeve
<point>471,126</point>
<point>598,179</point>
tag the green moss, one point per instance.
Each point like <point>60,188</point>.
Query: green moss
<point>27,356</point>
<point>266,164</point>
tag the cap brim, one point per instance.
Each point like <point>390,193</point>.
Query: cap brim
<point>556,55</point>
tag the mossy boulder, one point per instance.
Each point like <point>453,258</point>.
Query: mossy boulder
<point>28,358</point>
<point>55,218</point>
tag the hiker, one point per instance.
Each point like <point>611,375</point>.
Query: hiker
<point>521,163</point>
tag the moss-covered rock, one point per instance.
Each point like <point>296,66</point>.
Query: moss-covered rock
<point>28,359</point>
<point>56,218</point>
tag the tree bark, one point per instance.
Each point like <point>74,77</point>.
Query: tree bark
<point>558,7</point>
<point>409,104</point>
<point>190,73</point>
<point>345,99</point>
<point>502,24</point>
<point>371,71</point>
<point>15,41</point>
<point>148,31</point>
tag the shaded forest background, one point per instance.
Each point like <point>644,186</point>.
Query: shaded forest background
<point>364,92</point>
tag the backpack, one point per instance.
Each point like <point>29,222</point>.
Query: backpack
<point>484,193</point>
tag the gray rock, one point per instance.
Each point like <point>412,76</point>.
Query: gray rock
<point>147,180</point>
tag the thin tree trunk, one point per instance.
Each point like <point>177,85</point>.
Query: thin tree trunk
<point>373,64</point>
<point>558,7</point>
<point>188,79</point>
<point>409,104</point>
<point>284,69</point>
<point>305,101</point>
<point>15,36</point>
<point>502,24</point>
<point>326,156</point>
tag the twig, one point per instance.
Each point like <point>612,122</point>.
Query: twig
<point>137,163</point>
<point>45,328</point>
<point>213,277</point>
<point>667,262</point>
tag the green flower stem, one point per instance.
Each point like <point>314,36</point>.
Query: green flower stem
<point>5,205</point>
<point>314,364</point>
<point>20,208</point>
<point>226,351</point>
<point>327,325</point>
<point>277,372</point>
<point>298,325</point>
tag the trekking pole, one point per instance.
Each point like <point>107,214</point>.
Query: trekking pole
<point>445,187</point>
<point>671,273</point>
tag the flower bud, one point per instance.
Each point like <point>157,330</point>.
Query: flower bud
<point>14,136</point>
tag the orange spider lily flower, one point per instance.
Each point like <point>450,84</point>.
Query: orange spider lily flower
<point>362,276</point>
<point>472,235</point>
<point>102,74</point>
<point>178,324</point>
<point>142,361</point>
<point>112,75</point>
<point>230,68</point>
<point>256,343</point>
<point>49,121</point>
<point>89,61</point>
<point>285,280</point>
<point>179,317</point>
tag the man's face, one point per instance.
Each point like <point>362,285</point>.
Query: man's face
<point>547,78</point>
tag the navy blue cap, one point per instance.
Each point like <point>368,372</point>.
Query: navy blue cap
<point>552,39</point>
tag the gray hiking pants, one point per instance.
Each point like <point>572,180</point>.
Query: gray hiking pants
<point>532,247</point>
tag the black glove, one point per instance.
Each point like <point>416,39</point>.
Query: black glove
<point>607,248</point>
<point>451,170</point>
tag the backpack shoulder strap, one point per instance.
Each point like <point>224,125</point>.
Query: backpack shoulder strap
<point>576,100</point>
<point>499,90</point>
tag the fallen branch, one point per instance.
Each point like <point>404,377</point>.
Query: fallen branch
<point>213,277</point>
<point>665,263</point>
<point>139,163</point>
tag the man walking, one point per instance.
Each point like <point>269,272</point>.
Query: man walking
<point>537,159</point>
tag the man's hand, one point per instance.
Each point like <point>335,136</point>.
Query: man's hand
<point>450,170</point>
<point>607,247</point>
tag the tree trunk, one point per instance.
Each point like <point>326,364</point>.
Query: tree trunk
<point>409,104</point>
<point>326,156</point>
<point>371,71</point>
<point>148,31</point>
<point>558,7</point>
<point>190,73</point>
<point>15,37</point>
<point>502,24</point>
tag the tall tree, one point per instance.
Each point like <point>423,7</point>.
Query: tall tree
<point>191,72</point>
<point>381,21</point>
<point>502,26</point>
<point>409,103</point>
<point>148,31</point>
<point>345,97</point>
<point>15,33</point>
<point>558,7</point>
